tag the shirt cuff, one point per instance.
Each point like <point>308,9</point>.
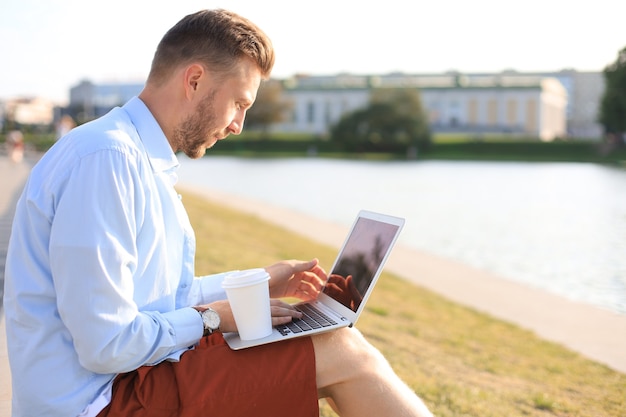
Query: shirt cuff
<point>186,326</point>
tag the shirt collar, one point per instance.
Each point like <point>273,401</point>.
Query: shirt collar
<point>157,147</point>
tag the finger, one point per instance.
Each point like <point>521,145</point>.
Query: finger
<point>279,308</point>
<point>309,287</point>
<point>333,288</point>
<point>321,279</point>
<point>274,302</point>
<point>305,266</point>
<point>316,279</point>
<point>283,319</point>
<point>306,290</point>
<point>320,272</point>
<point>277,321</point>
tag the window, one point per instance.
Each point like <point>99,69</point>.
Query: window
<point>511,112</point>
<point>531,116</point>
<point>492,112</point>
<point>310,112</point>
<point>472,112</point>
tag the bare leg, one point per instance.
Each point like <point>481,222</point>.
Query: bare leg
<point>358,379</point>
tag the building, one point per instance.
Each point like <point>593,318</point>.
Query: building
<point>585,96</point>
<point>547,105</point>
<point>529,106</point>
<point>584,92</point>
<point>319,102</point>
<point>29,111</point>
<point>89,100</point>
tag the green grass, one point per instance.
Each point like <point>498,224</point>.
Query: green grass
<point>460,361</point>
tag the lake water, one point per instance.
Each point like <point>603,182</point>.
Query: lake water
<point>560,227</point>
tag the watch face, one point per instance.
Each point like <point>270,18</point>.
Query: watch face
<point>211,319</point>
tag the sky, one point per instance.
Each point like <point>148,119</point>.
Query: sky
<point>49,46</point>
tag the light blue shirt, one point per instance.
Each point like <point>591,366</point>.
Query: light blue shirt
<point>100,265</point>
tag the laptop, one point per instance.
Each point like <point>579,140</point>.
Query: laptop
<point>350,282</point>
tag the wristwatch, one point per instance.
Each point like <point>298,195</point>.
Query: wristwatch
<point>210,320</point>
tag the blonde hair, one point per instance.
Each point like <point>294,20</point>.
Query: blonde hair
<point>217,38</point>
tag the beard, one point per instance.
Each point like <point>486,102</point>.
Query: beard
<point>195,134</point>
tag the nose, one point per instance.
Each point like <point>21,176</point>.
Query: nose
<point>236,126</point>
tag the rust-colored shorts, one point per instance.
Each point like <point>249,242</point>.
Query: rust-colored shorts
<point>212,380</point>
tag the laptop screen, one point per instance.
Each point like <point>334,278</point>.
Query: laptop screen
<point>359,262</point>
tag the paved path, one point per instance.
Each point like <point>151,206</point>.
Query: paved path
<point>12,179</point>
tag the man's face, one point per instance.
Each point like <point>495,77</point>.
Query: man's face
<point>221,112</point>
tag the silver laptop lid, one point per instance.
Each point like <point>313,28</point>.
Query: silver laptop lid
<point>360,262</point>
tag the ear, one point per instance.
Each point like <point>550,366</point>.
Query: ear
<point>194,74</point>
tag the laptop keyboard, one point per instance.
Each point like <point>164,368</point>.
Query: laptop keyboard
<point>311,319</point>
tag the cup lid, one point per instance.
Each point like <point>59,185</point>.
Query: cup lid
<point>244,278</point>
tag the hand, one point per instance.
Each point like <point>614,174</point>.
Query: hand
<point>343,290</point>
<point>281,311</point>
<point>300,279</point>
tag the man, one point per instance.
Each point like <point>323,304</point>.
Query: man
<point>104,314</point>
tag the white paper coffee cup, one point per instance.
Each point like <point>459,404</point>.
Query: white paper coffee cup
<point>249,297</point>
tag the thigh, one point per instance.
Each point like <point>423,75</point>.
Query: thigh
<point>271,380</point>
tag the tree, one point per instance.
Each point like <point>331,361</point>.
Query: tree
<point>269,106</point>
<point>613,105</point>
<point>393,118</point>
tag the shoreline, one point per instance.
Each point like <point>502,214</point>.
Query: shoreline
<point>586,329</point>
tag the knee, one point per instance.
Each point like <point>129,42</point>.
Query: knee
<point>365,357</point>
<point>353,341</point>
<point>345,353</point>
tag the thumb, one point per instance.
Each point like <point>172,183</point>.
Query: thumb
<point>305,266</point>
